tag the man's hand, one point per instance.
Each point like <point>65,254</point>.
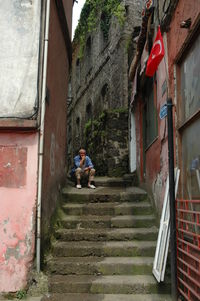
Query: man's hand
<point>82,160</point>
<point>87,168</point>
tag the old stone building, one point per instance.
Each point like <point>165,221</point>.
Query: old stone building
<point>98,104</point>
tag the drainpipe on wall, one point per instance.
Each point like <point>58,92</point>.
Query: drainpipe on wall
<point>41,139</point>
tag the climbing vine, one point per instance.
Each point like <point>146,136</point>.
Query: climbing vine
<point>90,16</point>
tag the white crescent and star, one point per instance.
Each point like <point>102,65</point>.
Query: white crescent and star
<point>156,43</point>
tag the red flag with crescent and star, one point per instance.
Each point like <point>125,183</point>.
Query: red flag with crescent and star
<point>156,55</point>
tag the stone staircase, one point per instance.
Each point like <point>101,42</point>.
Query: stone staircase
<point>105,246</point>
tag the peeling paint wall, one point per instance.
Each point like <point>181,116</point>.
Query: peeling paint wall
<point>18,186</point>
<point>160,157</point>
<point>19,48</point>
<point>154,171</point>
<point>20,36</point>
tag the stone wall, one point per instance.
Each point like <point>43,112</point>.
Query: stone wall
<point>106,142</point>
<point>99,80</point>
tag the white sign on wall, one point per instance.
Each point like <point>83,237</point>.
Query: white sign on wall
<point>19,59</point>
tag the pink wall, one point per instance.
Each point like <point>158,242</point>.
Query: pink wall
<point>19,163</point>
<point>18,187</point>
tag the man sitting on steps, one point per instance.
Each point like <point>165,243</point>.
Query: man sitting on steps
<point>83,167</point>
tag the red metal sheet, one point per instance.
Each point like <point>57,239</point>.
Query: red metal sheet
<point>190,289</point>
<point>189,266</point>
<point>188,249</point>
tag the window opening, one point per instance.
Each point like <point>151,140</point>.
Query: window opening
<point>150,115</point>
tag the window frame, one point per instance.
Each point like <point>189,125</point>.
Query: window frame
<point>151,90</point>
<point>182,125</point>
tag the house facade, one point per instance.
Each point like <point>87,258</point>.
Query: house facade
<point>149,94</point>
<point>177,78</point>
<point>35,61</point>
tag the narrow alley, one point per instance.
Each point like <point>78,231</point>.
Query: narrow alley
<point>99,155</point>
<point>105,246</point>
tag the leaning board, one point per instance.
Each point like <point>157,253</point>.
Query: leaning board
<point>162,247</point>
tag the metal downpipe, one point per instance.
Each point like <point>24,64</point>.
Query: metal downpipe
<point>41,138</point>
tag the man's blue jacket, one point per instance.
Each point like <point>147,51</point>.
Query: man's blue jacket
<point>77,159</point>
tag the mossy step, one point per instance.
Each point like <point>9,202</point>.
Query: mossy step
<point>111,208</point>
<point>101,266</point>
<point>122,234</point>
<point>139,284</point>
<point>113,248</point>
<point>113,182</point>
<point>109,297</point>
<point>104,194</point>
<point>94,221</point>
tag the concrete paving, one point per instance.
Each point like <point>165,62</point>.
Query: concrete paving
<point>103,190</point>
<point>110,297</point>
<point>27,299</point>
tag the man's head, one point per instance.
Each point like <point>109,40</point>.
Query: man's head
<point>82,152</point>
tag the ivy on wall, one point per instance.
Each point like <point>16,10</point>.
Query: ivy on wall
<point>95,141</point>
<point>92,12</point>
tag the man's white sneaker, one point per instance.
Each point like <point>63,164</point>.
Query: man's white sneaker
<point>78,186</point>
<point>91,186</point>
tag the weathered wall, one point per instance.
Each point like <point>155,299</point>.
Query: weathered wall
<point>68,12</point>
<point>184,11</point>
<point>157,154</point>
<point>106,142</point>
<point>99,79</point>
<point>19,48</point>
<point>54,165</point>
<point>19,151</point>
<point>152,160</point>
<point>20,37</point>
<point>155,174</point>
<point>18,189</point>
<point>173,45</point>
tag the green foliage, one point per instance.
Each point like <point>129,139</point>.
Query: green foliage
<point>21,294</point>
<point>118,110</point>
<point>88,127</point>
<point>102,116</point>
<point>90,16</point>
<point>95,139</point>
<point>119,13</point>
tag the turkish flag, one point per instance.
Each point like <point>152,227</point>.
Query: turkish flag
<point>156,55</point>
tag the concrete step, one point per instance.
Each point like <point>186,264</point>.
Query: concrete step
<point>103,194</point>
<point>139,284</point>
<point>101,266</point>
<point>113,182</point>
<point>125,181</point>
<point>94,221</point>
<point>113,248</point>
<point>111,208</point>
<point>122,234</point>
<point>108,297</point>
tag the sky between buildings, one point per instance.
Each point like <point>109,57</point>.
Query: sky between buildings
<point>76,14</point>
